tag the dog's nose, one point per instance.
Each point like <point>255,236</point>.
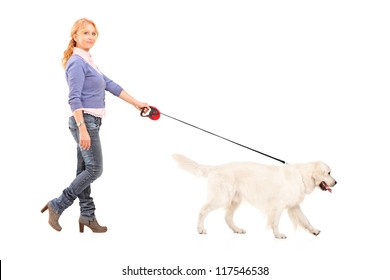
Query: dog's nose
<point>335,182</point>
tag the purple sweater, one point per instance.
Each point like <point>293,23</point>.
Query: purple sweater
<point>86,86</point>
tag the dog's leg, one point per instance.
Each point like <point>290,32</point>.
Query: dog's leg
<point>273,222</point>
<point>204,211</point>
<point>215,199</point>
<point>230,209</point>
<point>298,218</point>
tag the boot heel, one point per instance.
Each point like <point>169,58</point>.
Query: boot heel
<point>81,227</point>
<point>45,208</point>
<point>53,217</point>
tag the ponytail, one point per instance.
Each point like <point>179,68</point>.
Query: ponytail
<point>68,52</point>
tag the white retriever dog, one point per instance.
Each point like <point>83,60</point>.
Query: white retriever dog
<point>272,189</point>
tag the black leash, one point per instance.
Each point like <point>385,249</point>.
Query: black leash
<point>154,114</point>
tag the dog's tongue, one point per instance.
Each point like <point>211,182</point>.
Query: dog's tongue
<point>325,186</point>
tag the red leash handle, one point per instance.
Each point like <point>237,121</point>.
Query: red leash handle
<point>153,113</point>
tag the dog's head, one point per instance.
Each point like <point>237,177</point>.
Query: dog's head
<point>322,178</point>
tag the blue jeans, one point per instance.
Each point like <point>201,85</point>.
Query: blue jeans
<point>89,168</point>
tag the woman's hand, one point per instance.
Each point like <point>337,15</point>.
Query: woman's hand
<point>85,139</point>
<point>142,106</point>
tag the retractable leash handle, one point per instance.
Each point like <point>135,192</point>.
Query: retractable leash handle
<point>154,114</point>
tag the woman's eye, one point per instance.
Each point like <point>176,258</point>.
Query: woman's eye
<point>86,33</point>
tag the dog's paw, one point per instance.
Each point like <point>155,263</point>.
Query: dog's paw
<point>280,236</point>
<point>240,231</point>
<point>202,231</point>
<point>316,232</point>
<point>313,230</point>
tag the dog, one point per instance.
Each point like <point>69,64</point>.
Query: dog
<point>270,188</point>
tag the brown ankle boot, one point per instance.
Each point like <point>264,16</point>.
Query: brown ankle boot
<point>53,217</point>
<point>93,225</point>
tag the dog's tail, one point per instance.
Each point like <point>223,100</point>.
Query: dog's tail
<point>191,166</point>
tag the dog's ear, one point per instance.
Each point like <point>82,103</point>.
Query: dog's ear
<point>307,171</point>
<point>318,172</point>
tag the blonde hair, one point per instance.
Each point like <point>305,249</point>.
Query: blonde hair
<point>77,26</point>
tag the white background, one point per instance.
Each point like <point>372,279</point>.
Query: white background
<point>299,80</point>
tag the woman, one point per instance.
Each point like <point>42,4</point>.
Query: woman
<point>87,86</point>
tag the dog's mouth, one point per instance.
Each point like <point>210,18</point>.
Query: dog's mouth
<point>324,186</point>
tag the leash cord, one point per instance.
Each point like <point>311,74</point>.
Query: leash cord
<point>282,161</point>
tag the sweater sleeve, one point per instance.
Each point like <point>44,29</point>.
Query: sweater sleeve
<point>75,76</point>
<point>112,87</point>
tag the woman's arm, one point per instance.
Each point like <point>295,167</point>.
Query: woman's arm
<point>131,100</point>
<point>85,139</point>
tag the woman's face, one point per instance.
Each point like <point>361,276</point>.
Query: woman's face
<point>86,37</point>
